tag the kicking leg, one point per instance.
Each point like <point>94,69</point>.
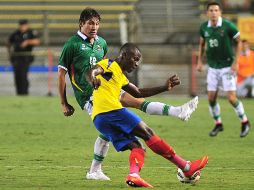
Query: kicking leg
<point>159,146</point>
<point>157,108</point>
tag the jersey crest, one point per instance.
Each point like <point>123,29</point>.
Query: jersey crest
<point>99,48</point>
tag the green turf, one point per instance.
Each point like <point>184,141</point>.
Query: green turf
<point>42,149</point>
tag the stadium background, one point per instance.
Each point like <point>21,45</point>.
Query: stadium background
<point>166,31</point>
<point>42,149</point>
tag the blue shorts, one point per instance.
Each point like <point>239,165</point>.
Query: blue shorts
<point>117,126</point>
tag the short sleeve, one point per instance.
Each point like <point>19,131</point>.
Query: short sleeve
<point>233,31</point>
<point>104,64</point>
<point>201,33</point>
<point>65,59</point>
<point>125,81</point>
<point>105,48</point>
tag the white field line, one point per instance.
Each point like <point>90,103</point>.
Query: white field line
<point>122,167</point>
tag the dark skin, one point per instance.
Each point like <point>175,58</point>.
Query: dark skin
<point>129,61</point>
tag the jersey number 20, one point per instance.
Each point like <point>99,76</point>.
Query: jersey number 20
<point>213,43</point>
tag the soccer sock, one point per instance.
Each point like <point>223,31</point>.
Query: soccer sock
<point>101,147</point>
<point>158,108</point>
<point>238,107</point>
<point>159,146</point>
<point>136,160</point>
<point>214,109</point>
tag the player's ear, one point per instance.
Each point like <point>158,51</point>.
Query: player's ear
<point>124,54</point>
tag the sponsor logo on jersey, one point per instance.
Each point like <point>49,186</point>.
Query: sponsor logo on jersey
<point>83,46</point>
<point>206,34</point>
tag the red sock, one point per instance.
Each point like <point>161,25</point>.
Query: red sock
<point>159,146</point>
<point>136,160</point>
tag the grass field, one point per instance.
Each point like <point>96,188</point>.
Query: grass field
<point>42,149</point>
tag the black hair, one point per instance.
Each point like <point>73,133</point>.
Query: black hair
<point>128,47</point>
<point>87,14</point>
<point>23,21</point>
<point>212,3</point>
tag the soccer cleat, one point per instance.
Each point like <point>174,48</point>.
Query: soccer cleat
<point>136,181</point>
<point>245,129</point>
<point>97,175</point>
<point>188,108</point>
<point>218,128</point>
<point>196,165</point>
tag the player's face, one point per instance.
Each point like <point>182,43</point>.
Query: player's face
<point>245,47</point>
<point>90,27</point>
<point>23,27</point>
<point>214,12</point>
<point>132,60</point>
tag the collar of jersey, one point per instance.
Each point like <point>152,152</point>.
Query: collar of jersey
<point>219,23</point>
<point>83,36</point>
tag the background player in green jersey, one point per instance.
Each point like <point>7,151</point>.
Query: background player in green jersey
<point>217,36</point>
<point>80,53</point>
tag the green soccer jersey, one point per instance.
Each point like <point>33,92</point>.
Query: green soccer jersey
<point>219,39</point>
<point>77,58</point>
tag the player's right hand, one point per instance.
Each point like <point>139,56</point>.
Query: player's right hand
<point>96,82</point>
<point>200,66</point>
<point>68,110</point>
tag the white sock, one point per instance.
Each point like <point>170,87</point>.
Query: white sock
<point>101,147</point>
<point>215,113</point>
<point>239,110</point>
<point>158,108</point>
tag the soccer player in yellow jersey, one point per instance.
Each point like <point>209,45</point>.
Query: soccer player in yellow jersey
<point>121,126</point>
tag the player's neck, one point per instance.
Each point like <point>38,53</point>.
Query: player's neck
<point>91,40</point>
<point>118,61</point>
<point>214,22</point>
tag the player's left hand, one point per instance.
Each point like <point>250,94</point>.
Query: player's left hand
<point>234,67</point>
<point>68,110</point>
<point>173,81</point>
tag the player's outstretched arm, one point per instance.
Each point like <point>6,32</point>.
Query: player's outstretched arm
<point>146,92</point>
<point>67,109</point>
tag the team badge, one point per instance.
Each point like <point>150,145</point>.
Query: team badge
<point>98,48</point>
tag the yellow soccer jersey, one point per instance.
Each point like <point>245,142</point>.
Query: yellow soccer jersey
<point>107,97</point>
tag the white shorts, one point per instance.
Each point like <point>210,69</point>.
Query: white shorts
<point>224,78</point>
<point>88,107</point>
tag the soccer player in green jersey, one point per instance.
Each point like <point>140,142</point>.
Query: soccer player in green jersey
<point>217,36</point>
<point>80,53</point>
